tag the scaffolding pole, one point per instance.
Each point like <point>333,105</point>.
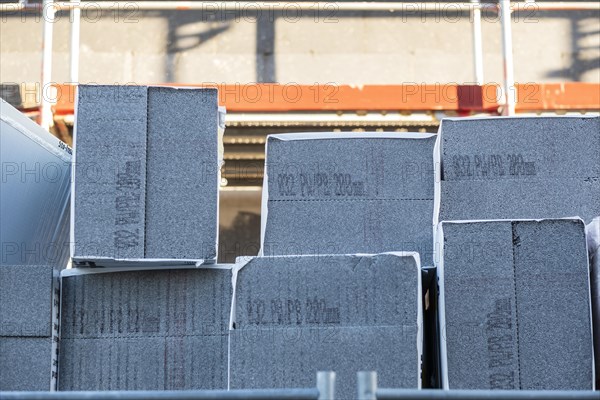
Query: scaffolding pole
<point>509,89</point>
<point>46,90</point>
<point>477,42</point>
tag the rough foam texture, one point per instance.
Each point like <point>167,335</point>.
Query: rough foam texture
<point>146,173</point>
<point>26,300</point>
<point>110,170</point>
<point>345,227</point>
<point>353,194</point>
<point>26,296</point>
<point>144,363</point>
<point>145,330</point>
<point>520,147</point>
<point>26,363</point>
<point>295,316</point>
<point>181,202</point>
<point>517,298</point>
<point>291,357</point>
<point>509,168</point>
<point>350,168</point>
<point>503,199</point>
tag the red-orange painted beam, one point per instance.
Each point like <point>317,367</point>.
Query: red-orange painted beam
<point>558,96</point>
<point>409,97</point>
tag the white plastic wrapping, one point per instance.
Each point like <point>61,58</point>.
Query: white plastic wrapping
<point>593,241</point>
<point>34,195</point>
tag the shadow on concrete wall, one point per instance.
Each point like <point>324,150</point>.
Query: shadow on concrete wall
<point>179,41</point>
<point>580,63</point>
<point>204,29</point>
<point>266,71</point>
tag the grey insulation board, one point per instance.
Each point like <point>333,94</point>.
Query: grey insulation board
<point>110,170</point>
<point>479,306</point>
<point>178,318</point>
<point>146,174</point>
<point>553,302</point>
<point>291,356</point>
<point>26,300</point>
<point>25,363</point>
<point>144,363</point>
<point>321,166</point>
<point>352,193</point>
<point>345,227</point>
<point>520,147</point>
<point>516,305</point>
<point>294,315</point>
<point>520,199</point>
<point>520,167</point>
<point>182,181</point>
<point>343,290</point>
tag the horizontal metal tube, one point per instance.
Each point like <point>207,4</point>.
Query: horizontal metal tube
<point>211,6</point>
<point>436,394</point>
<point>238,394</point>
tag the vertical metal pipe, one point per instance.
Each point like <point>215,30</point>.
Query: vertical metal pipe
<point>507,53</point>
<point>367,385</point>
<point>326,385</point>
<point>75,32</point>
<point>48,12</point>
<point>477,42</point>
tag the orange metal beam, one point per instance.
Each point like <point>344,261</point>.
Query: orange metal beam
<point>462,99</point>
<point>558,96</point>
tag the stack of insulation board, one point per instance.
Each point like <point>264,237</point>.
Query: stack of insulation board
<point>145,204</point>
<point>146,175</point>
<point>519,168</point>
<point>515,305</point>
<point>28,299</point>
<point>34,198</point>
<point>144,329</point>
<point>332,193</point>
<point>296,315</point>
<point>311,299</point>
<point>515,292</point>
<point>347,221</point>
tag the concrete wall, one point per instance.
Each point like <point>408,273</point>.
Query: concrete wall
<point>334,46</point>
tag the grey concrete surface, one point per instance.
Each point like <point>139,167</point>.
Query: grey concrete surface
<point>140,303</point>
<point>144,363</point>
<point>290,356</point>
<point>393,47</point>
<point>524,198</point>
<point>339,227</point>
